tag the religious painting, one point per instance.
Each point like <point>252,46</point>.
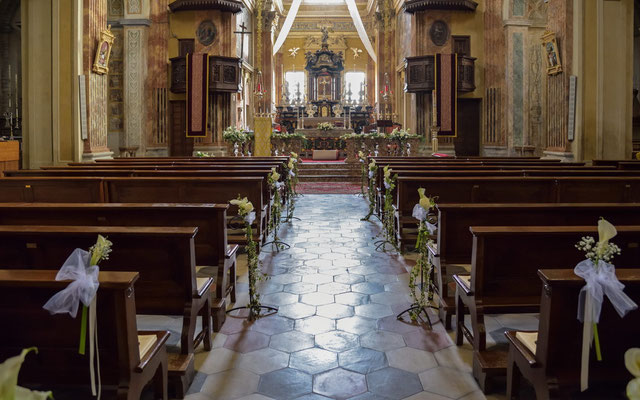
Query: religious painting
<point>101,62</point>
<point>552,55</point>
<point>439,32</point>
<point>206,32</point>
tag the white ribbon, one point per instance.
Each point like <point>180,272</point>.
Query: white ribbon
<point>249,218</point>
<point>278,185</point>
<point>386,185</point>
<point>362,161</point>
<point>83,288</point>
<point>600,281</point>
<point>291,173</point>
<point>370,174</point>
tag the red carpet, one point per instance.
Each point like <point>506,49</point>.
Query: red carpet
<point>328,188</point>
<point>310,161</point>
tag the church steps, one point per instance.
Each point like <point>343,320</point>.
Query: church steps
<point>329,172</point>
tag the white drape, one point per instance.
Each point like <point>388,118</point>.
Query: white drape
<point>286,27</point>
<point>357,21</point>
<point>355,16</point>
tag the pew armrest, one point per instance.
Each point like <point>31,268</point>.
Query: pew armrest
<point>521,348</point>
<point>464,283</point>
<point>433,250</point>
<point>203,285</point>
<point>232,249</point>
<point>162,337</point>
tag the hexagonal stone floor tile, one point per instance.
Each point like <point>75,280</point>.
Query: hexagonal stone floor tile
<point>448,382</point>
<point>316,299</point>
<point>373,310</point>
<point>292,341</point>
<point>367,288</point>
<point>285,384</point>
<point>362,360</point>
<point>358,325</point>
<point>337,341</point>
<point>392,324</point>
<point>348,279</point>
<point>335,311</point>
<point>430,340</point>
<point>279,299</point>
<point>352,299</point>
<point>300,288</point>
<point>412,360</point>
<point>333,288</point>
<point>230,384</point>
<point>264,360</point>
<point>272,324</point>
<point>381,340</point>
<point>339,384</point>
<point>245,342</point>
<point>296,310</point>
<point>314,360</point>
<point>393,383</point>
<point>315,325</point>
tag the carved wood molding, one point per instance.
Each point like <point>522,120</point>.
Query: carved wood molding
<point>412,6</point>
<point>232,6</point>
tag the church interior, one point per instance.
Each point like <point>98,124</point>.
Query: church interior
<point>319,199</point>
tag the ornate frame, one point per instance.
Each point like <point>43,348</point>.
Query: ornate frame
<point>103,52</point>
<point>550,48</point>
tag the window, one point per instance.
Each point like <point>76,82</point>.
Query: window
<point>293,79</point>
<point>354,81</point>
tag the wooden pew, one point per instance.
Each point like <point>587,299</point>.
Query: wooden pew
<point>503,278</point>
<point>126,366</point>
<point>211,248</point>
<point>553,364</point>
<point>45,189</point>
<point>218,190</point>
<point>454,242</point>
<point>164,256</point>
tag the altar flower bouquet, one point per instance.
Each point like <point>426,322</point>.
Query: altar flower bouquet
<point>632,362</point>
<point>9,389</point>
<point>234,135</point>
<point>326,126</point>
<point>600,277</point>
<point>401,134</point>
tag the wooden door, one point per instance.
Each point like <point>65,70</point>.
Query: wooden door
<point>468,141</point>
<point>179,144</point>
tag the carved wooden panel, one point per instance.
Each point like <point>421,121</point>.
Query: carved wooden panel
<point>420,76</point>
<point>178,75</point>
<point>185,46</point>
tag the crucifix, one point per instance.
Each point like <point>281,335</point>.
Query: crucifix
<point>324,82</point>
<point>242,33</point>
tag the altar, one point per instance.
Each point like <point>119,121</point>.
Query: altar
<point>318,139</point>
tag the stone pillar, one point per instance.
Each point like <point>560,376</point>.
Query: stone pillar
<point>135,34</point>
<point>95,21</point>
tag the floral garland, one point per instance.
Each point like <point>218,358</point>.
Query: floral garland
<point>401,135</point>
<point>245,211</point>
<point>291,176</point>
<point>294,181</point>
<point>373,168</point>
<point>363,171</point>
<point>388,216</point>
<point>287,136</point>
<point>276,206</point>
<point>423,268</point>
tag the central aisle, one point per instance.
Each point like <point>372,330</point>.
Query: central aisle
<point>336,333</point>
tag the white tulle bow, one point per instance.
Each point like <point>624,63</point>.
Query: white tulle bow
<point>83,287</point>
<point>249,218</point>
<point>370,174</point>
<point>601,281</point>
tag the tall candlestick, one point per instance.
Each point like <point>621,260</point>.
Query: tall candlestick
<point>10,88</point>
<point>16,96</point>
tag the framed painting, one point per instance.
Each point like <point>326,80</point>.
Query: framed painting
<point>552,55</point>
<point>101,62</point>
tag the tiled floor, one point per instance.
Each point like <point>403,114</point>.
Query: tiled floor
<point>335,334</point>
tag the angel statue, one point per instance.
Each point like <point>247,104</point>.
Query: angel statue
<point>325,34</point>
<point>293,51</point>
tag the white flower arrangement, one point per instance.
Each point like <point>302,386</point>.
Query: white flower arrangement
<point>604,251</point>
<point>632,362</point>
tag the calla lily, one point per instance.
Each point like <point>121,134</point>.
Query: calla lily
<point>100,251</point>
<point>9,371</point>
<point>387,172</point>
<point>360,154</point>
<point>632,361</point>
<point>275,176</point>
<point>290,165</point>
<point>294,155</point>
<point>633,389</point>
<point>372,165</point>
<point>606,232</point>
<point>243,204</point>
<point>425,202</point>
